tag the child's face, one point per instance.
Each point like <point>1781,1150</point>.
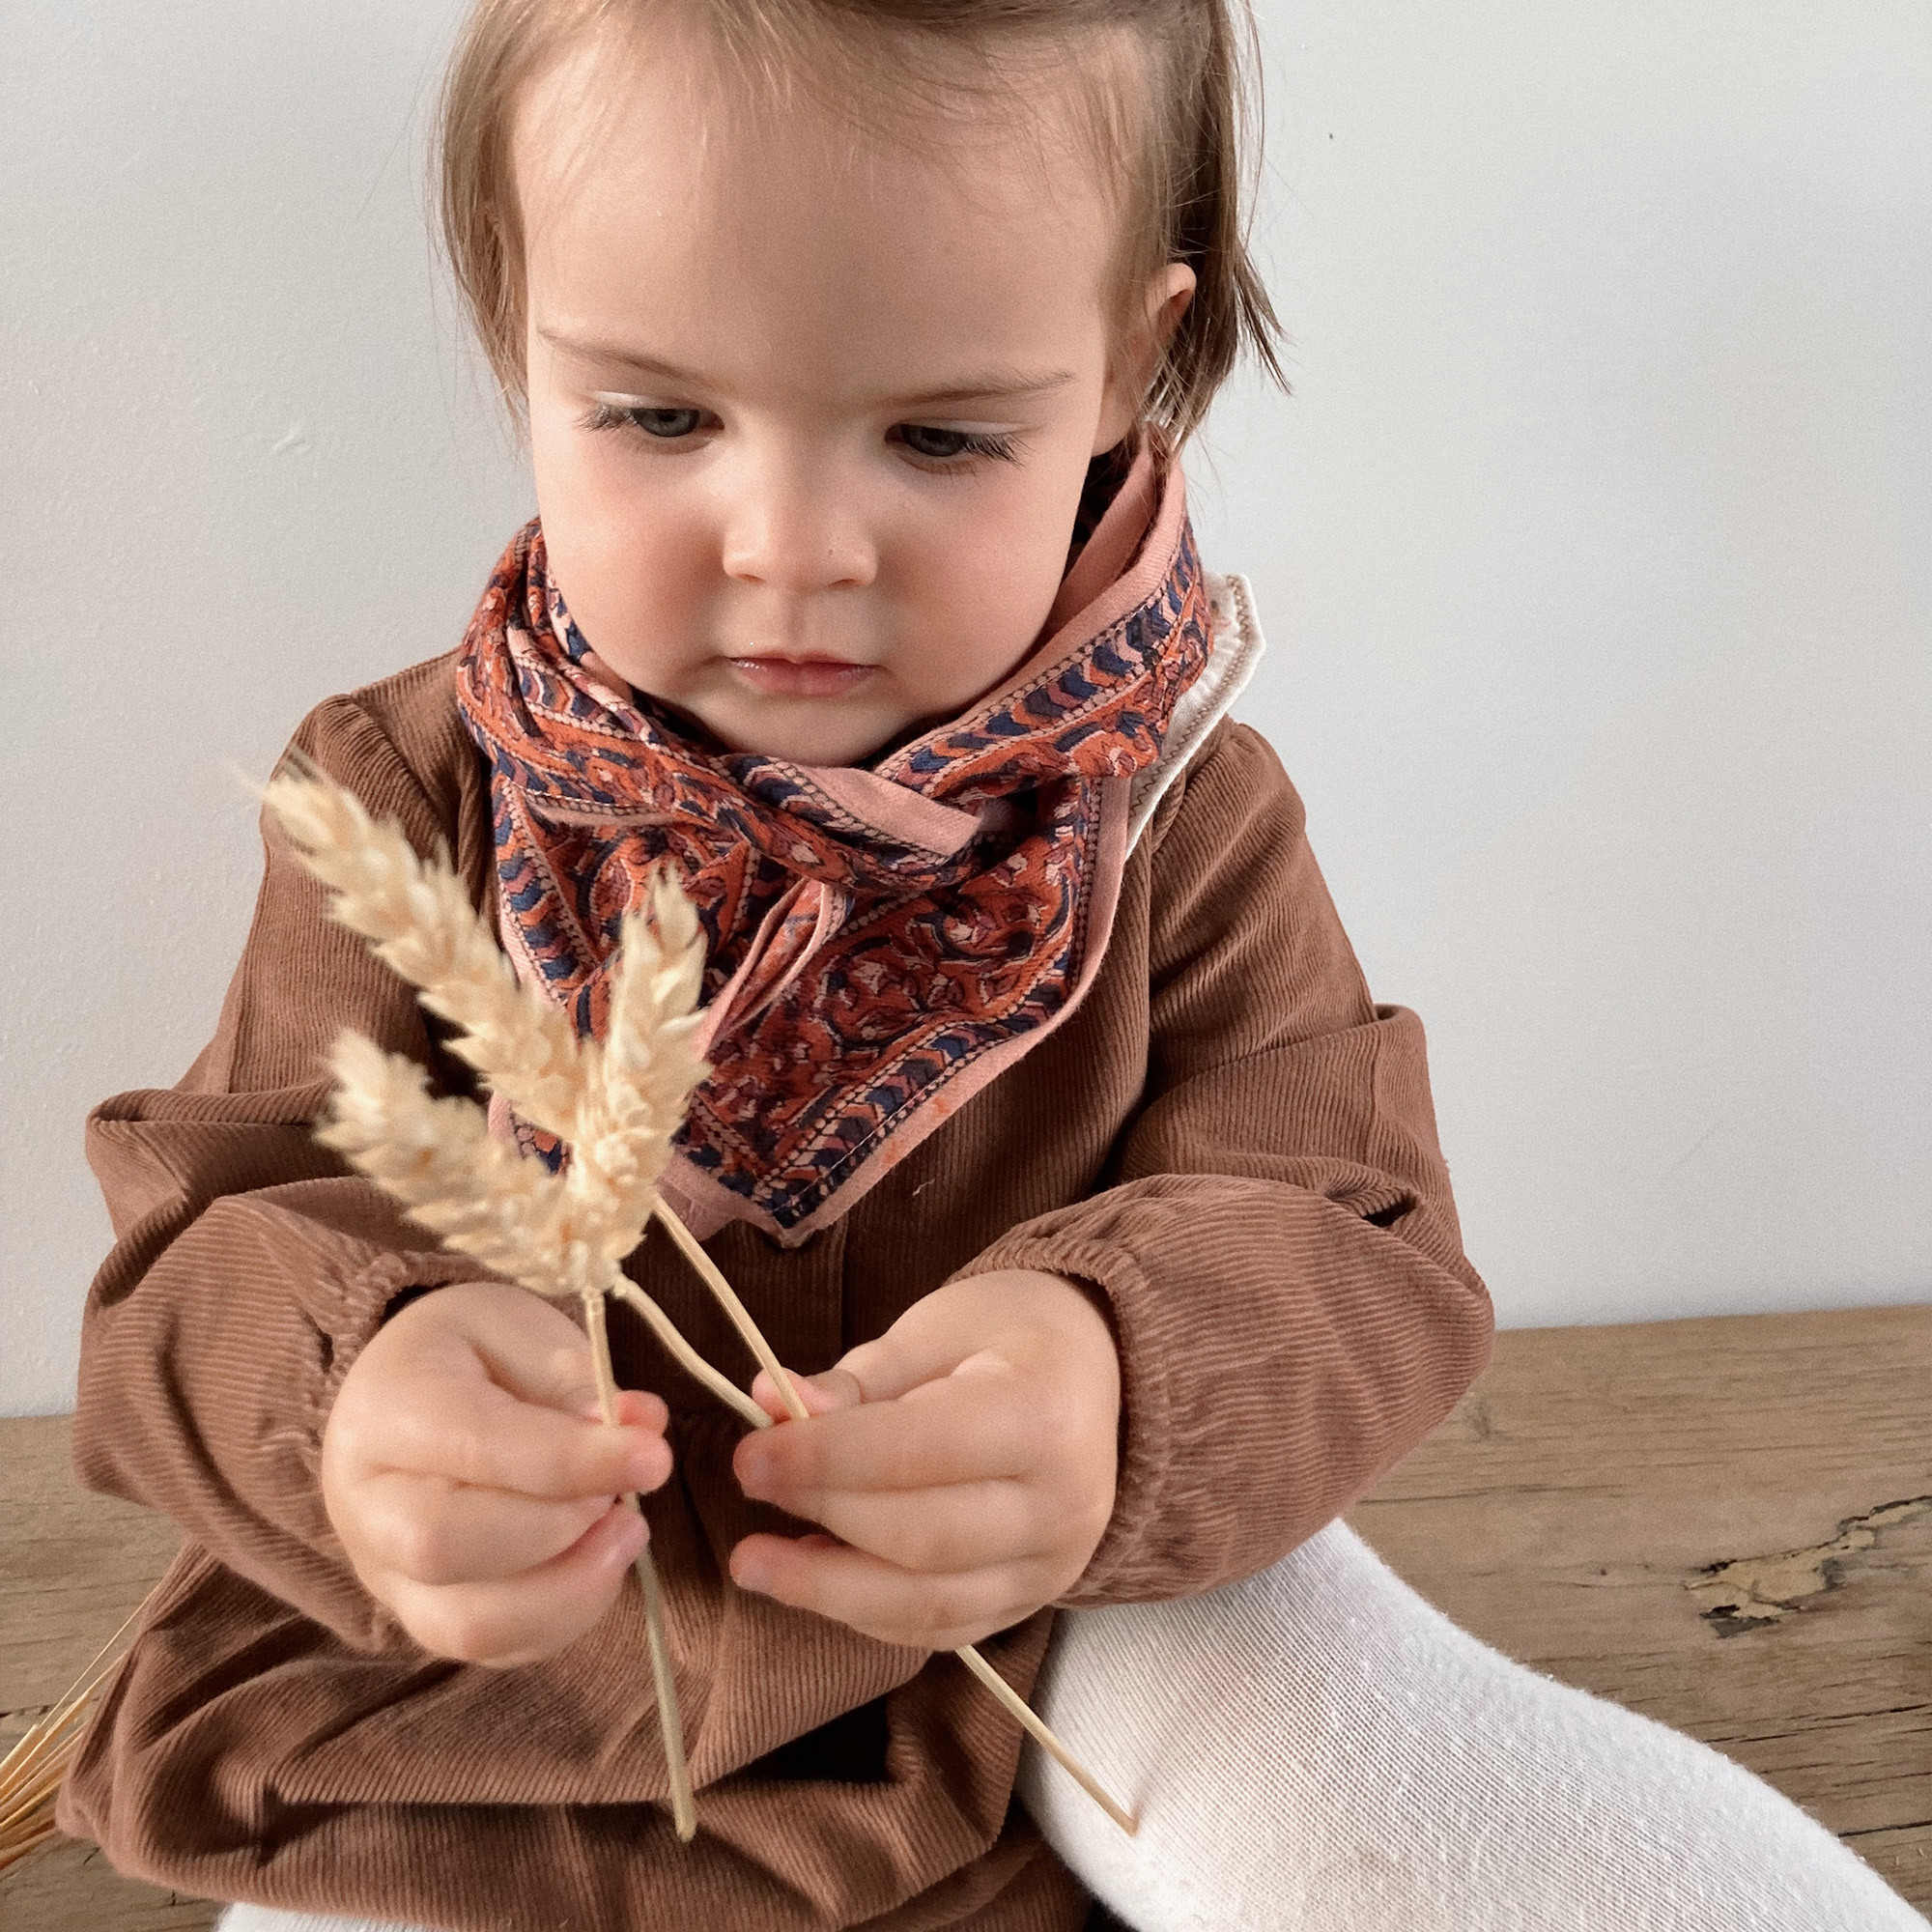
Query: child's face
<point>809,410</point>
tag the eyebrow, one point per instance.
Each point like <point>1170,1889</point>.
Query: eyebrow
<point>1000,384</point>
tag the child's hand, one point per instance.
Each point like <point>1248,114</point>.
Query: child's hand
<point>964,1462</point>
<point>474,1488</point>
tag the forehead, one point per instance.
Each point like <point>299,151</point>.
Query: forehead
<point>754,226</point>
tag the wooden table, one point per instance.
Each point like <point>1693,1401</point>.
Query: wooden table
<point>1725,1524</point>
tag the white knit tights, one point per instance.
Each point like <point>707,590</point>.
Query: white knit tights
<point>1317,1749</point>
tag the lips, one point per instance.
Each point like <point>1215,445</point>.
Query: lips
<point>802,677</point>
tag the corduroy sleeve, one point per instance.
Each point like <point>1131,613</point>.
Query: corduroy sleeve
<point>250,1268</point>
<point>1278,1246</point>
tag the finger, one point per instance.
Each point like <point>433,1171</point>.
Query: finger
<point>964,1428</point>
<point>485,1437</point>
<point>568,1384</point>
<point>964,1327</point>
<point>882,1600</point>
<point>427,1531</point>
<point>921,1345</point>
<point>487,1384</point>
<point>534,1351</point>
<point>636,1409</point>
<point>940,1532</point>
<point>529,1617</point>
<point>518,1341</point>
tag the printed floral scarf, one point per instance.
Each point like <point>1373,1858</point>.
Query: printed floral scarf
<point>883,941</point>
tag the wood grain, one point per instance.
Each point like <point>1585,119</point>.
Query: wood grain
<point>73,1888</point>
<point>71,1567</point>
<point>1700,1520</point>
<point>1574,1508</point>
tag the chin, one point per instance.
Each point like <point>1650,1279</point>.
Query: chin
<point>809,741</point>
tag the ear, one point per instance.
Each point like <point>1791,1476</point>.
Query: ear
<point>1131,366</point>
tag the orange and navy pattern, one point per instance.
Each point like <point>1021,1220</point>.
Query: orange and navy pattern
<point>870,971</point>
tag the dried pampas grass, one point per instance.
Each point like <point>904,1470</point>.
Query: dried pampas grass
<point>615,1106</point>
<point>31,1772</point>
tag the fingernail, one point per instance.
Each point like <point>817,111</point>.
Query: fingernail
<point>632,1536</point>
<point>756,1473</point>
<point>749,1573</point>
<point>644,1470</point>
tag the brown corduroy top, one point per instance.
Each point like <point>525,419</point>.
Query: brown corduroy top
<point>1228,1140</point>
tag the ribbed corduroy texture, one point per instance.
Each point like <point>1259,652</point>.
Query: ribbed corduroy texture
<point>1228,1140</point>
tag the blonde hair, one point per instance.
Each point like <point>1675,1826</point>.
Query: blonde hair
<point>1183,155</point>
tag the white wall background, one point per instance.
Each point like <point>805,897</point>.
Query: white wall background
<point>1595,548</point>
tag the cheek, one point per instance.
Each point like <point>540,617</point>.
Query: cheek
<point>988,573</point>
<point>626,555</point>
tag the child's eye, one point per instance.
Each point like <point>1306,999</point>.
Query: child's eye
<point>949,445</point>
<point>664,425</point>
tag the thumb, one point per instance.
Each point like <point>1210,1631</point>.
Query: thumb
<point>926,1344</point>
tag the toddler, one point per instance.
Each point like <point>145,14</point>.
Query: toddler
<point>1050,1129</point>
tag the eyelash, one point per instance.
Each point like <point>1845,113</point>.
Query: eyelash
<point>972,447</point>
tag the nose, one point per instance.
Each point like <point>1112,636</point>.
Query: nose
<point>794,525</point>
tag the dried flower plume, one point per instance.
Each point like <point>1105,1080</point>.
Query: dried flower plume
<point>418,919</point>
<point>32,1771</point>
<point>615,1106</point>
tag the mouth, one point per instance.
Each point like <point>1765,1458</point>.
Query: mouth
<point>781,676</point>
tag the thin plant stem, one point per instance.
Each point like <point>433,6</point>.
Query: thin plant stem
<point>32,1771</point>
<point>687,1357</point>
<point>727,1300</point>
<point>34,1841</point>
<point>1034,1723</point>
<point>683,1803</point>
<point>741,1319</point>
